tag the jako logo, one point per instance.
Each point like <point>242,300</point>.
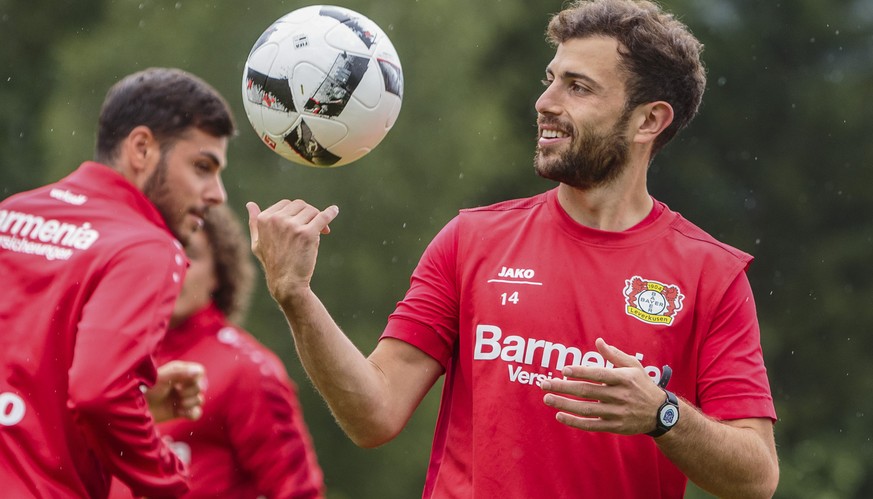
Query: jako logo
<point>516,273</point>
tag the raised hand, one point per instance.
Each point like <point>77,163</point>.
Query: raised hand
<point>285,238</point>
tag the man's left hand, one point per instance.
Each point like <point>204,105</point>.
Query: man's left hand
<point>622,399</point>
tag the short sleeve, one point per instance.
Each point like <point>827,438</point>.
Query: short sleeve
<point>427,317</point>
<point>732,377</point>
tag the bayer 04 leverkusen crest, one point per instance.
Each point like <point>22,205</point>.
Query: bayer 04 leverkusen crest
<point>652,302</point>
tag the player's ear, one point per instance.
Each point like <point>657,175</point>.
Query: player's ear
<point>141,152</point>
<point>652,118</point>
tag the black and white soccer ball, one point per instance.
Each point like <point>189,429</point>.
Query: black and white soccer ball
<point>322,86</point>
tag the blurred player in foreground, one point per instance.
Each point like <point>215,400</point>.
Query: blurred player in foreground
<point>90,267</point>
<point>553,317</point>
<point>252,440</point>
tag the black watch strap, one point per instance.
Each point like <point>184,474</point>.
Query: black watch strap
<point>668,413</point>
<point>667,416</point>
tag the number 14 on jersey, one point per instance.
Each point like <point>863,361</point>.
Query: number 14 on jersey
<point>507,298</point>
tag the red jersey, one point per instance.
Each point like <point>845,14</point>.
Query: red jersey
<point>89,273</point>
<point>252,440</point>
<point>507,295</point>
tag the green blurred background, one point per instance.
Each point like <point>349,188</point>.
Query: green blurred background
<point>777,164</point>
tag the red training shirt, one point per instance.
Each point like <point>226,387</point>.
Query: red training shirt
<point>89,273</point>
<point>251,440</point>
<point>506,295</point>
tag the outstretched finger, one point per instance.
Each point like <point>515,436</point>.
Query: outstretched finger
<point>254,210</point>
<point>616,356</point>
<point>327,216</point>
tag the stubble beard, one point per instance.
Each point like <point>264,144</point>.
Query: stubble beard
<point>157,190</point>
<point>592,160</point>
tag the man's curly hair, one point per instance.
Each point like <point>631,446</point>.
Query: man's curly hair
<point>659,54</point>
<point>234,269</point>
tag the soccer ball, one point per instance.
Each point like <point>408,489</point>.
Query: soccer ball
<point>322,86</point>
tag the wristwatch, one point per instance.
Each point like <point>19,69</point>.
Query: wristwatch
<point>668,413</point>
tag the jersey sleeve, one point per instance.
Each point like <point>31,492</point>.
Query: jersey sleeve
<point>427,317</point>
<point>268,434</point>
<point>732,381</point>
<point>125,316</point>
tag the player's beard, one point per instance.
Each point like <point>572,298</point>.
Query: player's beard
<point>157,189</point>
<point>594,158</point>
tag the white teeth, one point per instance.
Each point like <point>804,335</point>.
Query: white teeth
<point>552,134</point>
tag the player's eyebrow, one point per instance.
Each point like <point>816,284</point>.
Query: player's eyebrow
<point>212,158</point>
<point>572,75</point>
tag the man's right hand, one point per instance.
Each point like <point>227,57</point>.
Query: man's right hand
<point>177,392</point>
<point>285,239</point>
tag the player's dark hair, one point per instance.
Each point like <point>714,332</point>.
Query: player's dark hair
<point>234,269</point>
<point>659,53</point>
<point>168,101</point>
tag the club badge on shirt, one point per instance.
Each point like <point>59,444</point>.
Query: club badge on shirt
<point>651,301</point>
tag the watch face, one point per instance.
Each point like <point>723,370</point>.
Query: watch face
<point>668,415</point>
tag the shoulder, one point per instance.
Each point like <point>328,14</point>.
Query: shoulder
<point>695,237</point>
<point>238,367</point>
<point>243,354</point>
<point>485,221</point>
<point>507,214</point>
<point>519,205</point>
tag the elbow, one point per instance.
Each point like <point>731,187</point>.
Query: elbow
<point>762,491</point>
<point>763,488</point>
<point>86,401</point>
<point>373,437</point>
<point>771,482</point>
<point>371,432</point>
<point>369,441</point>
<point>770,479</point>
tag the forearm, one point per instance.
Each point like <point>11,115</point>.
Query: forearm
<point>371,399</point>
<point>120,432</point>
<point>354,388</point>
<point>727,459</point>
<point>108,405</point>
